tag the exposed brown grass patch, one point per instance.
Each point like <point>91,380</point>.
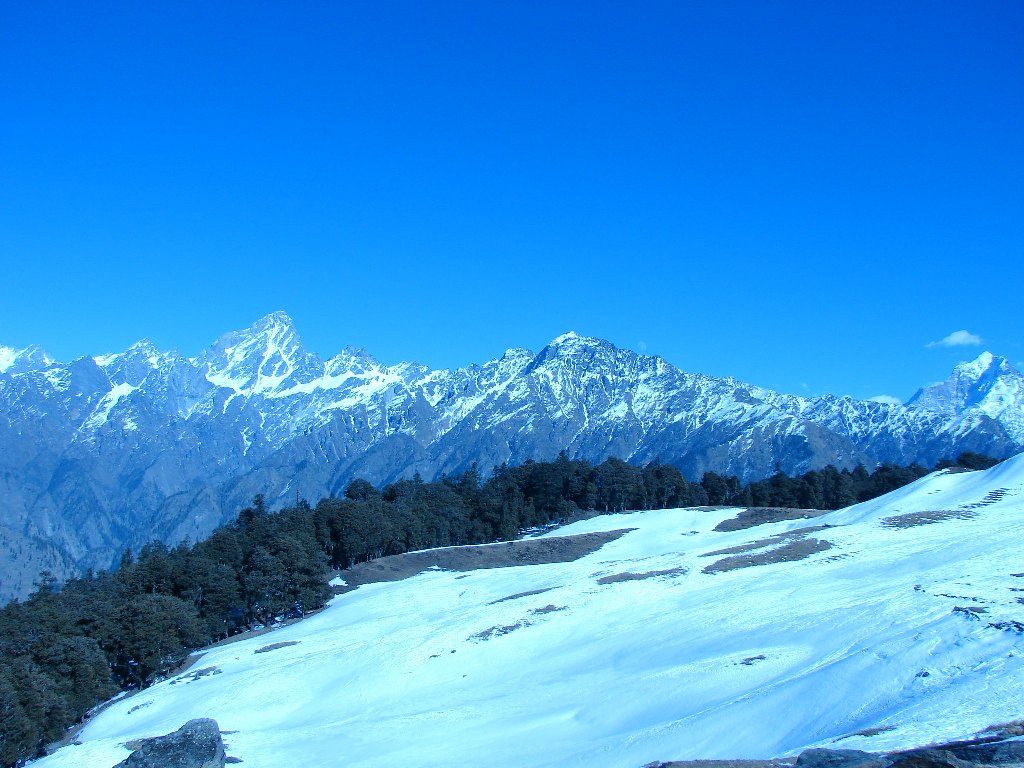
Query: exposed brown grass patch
<point>787,553</point>
<point>275,646</point>
<point>869,732</point>
<point>498,631</point>
<point>549,609</point>
<point>748,518</point>
<point>926,517</point>
<point>629,576</point>
<point>557,549</point>
<point>770,541</point>
<point>518,595</point>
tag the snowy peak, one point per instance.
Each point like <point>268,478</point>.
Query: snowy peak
<point>276,329</point>
<point>351,360</point>
<point>978,367</point>
<point>576,353</point>
<point>8,356</point>
<point>571,337</point>
<point>966,385</point>
<point>141,361</point>
<point>968,380</point>
<point>989,384</point>
<point>574,343</point>
<point>978,377</point>
<point>275,322</point>
<point>31,358</point>
<point>515,359</point>
<point>266,357</point>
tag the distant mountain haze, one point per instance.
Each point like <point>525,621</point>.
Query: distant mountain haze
<point>110,452</point>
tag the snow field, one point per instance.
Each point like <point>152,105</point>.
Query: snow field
<point>444,669</point>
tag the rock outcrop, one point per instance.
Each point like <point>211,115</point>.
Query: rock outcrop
<point>197,744</point>
<point>979,753</point>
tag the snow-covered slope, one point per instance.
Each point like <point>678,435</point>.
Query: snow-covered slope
<point>903,619</point>
<point>112,451</point>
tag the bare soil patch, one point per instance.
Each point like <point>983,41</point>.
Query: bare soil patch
<point>560,549</point>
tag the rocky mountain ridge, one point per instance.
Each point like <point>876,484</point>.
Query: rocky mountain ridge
<point>112,451</point>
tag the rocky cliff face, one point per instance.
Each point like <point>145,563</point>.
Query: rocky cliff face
<point>112,451</point>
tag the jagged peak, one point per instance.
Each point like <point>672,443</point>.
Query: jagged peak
<point>7,357</point>
<point>351,359</point>
<point>985,367</point>
<point>143,345</point>
<point>982,364</point>
<point>145,348</point>
<point>277,329</point>
<point>566,337</point>
<point>517,353</point>
<point>571,349</point>
<point>354,351</point>
<point>573,339</point>
<point>988,382</point>
<point>275,320</point>
<point>266,356</point>
<point>572,343</point>
<point>143,351</point>
<point>30,358</point>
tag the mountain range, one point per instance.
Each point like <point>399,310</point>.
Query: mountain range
<point>112,451</point>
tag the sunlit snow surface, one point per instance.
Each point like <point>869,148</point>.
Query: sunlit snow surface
<point>859,636</point>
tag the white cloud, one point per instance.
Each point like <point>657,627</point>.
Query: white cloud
<point>957,339</point>
<point>885,399</point>
<point>642,346</point>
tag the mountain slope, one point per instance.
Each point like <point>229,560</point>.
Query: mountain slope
<point>112,451</point>
<point>898,617</point>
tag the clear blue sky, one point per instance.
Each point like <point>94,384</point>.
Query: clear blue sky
<point>800,194</point>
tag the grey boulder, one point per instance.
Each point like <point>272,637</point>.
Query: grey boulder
<point>197,744</point>
<point>839,758</point>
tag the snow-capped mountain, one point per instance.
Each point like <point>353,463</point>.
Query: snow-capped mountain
<point>888,625</point>
<point>112,451</point>
<point>989,385</point>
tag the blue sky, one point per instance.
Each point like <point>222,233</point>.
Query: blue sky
<point>804,195</point>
